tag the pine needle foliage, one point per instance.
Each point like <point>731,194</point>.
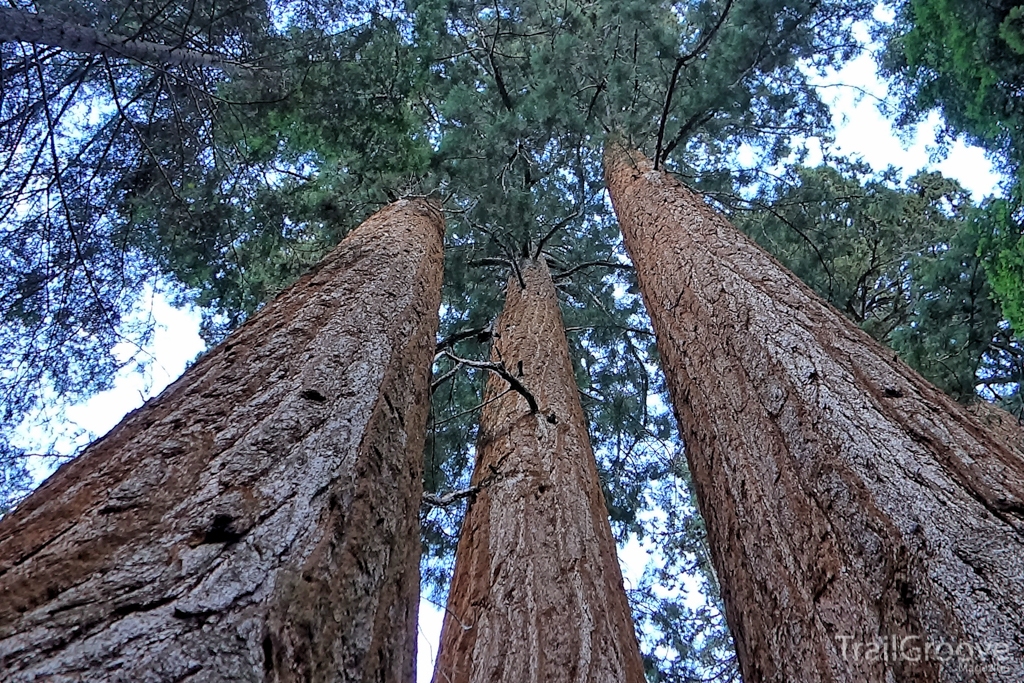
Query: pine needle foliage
<point>224,182</point>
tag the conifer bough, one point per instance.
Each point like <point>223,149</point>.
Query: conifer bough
<point>42,29</point>
<point>259,519</point>
<point>849,503</point>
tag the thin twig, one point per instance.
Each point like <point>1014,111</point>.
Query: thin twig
<point>445,377</point>
<point>590,264</point>
<point>453,615</point>
<point>481,333</point>
<point>500,370</point>
<point>469,410</point>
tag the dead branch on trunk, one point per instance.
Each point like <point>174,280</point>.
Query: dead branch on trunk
<point>500,370</point>
<point>440,501</point>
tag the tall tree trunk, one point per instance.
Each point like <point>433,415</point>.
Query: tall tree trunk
<point>537,593</point>
<point>42,29</point>
<point>848,502</point>
<point>259,519</point>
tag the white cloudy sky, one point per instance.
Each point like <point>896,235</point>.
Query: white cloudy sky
<point>860,130</point>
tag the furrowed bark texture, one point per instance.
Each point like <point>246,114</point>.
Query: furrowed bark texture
<point>1000,424</point>
<point>258,521</point>
<point>42,29</point>
<point>847,500</point>
<point>537,593</point>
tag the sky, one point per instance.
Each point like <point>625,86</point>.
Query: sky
<point>861,130</point>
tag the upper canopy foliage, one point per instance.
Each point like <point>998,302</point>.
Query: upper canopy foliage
<point>966,59</point>
<point>223,183</point>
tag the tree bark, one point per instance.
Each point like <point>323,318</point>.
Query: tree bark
<point>1000,424</point>
<point>258,521</point>
<point>537,593</point>
<point>848,502</point>
<point>42,29</point>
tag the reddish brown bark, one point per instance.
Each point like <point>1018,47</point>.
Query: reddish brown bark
<point>1000,424</point>
<point>257,520</point>
<point>537,593</point>
<point>846,499</point>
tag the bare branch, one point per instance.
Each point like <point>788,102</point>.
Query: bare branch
<point>41,29</point>
<point>445,377</point>
<point>501,371</point>
<point>555,228</point>
<point>590,264</point>
<point>447,499</point>
<point>481,333</point>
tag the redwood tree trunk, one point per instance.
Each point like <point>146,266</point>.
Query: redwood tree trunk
<point>537,593</point>
<point>848,502</point>
<point>258,520</point>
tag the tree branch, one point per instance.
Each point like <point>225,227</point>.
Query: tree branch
<point>680,63</point>
<point>445,377</point>
<point>512,261</point>
<point>501,371</point>
<point>481,333</point>
<point>589,264</point>
<point>41,29</point>
<point>451,497</point>
<point>695,120</point>
<point>551,233</point>
<point>706,40</point>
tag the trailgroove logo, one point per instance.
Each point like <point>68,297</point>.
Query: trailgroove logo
<point>913,648</point>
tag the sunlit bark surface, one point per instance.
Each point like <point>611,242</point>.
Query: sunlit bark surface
<point>258,520</point>
<point>537,593</point>
<point>848,502</point>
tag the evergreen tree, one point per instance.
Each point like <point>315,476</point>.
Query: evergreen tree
<point>73,126</point>
<point>258,518</point>
<point>967,60</point>
<point>229,183</point>
<point>203,181</point>
<point>899,259</point>
<point>536,591</point>
<point>848,501</point>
